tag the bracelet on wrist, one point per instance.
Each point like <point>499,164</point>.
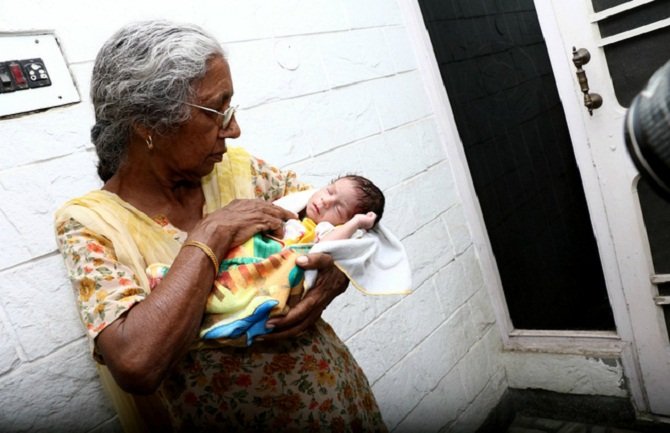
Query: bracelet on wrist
<point>208,252</point>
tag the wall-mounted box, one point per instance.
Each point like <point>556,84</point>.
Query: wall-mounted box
<point>33,74</point>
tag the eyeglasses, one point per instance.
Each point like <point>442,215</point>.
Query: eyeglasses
<point>224,117</point>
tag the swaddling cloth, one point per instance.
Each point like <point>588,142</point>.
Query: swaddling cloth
<point>375,261</point>
<point>256,280</point>
<point>259,279</point>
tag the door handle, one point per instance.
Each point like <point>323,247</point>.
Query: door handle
<point>580,57</point>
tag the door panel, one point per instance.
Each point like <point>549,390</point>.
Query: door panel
<point>496,69</point>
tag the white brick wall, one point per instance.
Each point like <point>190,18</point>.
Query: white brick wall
<point>326,87</point>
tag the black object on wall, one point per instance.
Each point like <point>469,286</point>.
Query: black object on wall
<point>496,70</point>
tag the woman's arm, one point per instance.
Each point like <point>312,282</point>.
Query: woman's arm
<point>141,346</point>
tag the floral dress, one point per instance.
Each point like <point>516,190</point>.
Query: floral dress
<point>307,383</point>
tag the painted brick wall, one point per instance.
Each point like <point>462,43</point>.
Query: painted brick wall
<point>326,87</point>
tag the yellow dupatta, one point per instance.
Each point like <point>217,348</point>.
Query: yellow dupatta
<point>138,240</point>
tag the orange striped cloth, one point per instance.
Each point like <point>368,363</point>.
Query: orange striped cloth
<point>257,280</point>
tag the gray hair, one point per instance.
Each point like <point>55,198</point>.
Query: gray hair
<point>142,76</point>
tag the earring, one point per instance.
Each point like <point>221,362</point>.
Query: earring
<point>150,142</point>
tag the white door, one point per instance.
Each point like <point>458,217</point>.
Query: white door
<point>610,181</point>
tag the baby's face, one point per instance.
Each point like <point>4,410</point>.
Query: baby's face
<point>335,203</point>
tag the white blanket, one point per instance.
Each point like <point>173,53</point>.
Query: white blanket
<point>376,263</point>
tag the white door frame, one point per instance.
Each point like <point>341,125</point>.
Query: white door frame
<point>588,343</point>
<point>640,323</point>
<point>568,88</point>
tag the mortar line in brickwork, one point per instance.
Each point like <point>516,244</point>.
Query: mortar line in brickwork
<point>422,282</point>
<point>434,388</point>
<point>419,283</point>
<point>45,357</point>
<point>422,172</point>
<point>416,348</point>
<point>328,32</point>
<point>342,145</point>
<point>412,233</point>
<point>380,77</point>
<point>16,345</point>
<point>367,80</point>
<point>88,149</point>
<point>403,125</point>
<point>40,110</point>
<point>65,346</point>
<point>321,61</point>
<point>32,259</point>
<point>372,322</point>
<point>275,100</point>
<point>81,62</point>
<point>7,218</point>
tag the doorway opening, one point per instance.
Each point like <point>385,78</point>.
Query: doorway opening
<point>496,70</point>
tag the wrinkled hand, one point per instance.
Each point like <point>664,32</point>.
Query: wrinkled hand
<point>238,221</point>
<point>329,284</point>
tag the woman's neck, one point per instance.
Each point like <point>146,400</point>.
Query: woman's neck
<point>179,200</point>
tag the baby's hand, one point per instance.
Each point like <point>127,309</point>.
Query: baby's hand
<point>365,221</point>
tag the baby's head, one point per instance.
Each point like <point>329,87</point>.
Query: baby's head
<point>345,197</point>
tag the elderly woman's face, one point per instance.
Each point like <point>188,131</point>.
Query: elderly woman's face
<point>200,143</point>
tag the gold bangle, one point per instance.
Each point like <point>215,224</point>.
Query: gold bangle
<point>207,250</point>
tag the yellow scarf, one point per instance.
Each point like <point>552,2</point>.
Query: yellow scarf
<point>138,240</point>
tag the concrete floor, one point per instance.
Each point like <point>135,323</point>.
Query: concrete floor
<point>527,424</point>
<point>539,411</point>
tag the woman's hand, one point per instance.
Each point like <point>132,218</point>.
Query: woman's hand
<point>329,284</point>
<point>238,221</point>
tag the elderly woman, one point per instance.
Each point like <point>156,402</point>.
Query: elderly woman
<point>174,193</point>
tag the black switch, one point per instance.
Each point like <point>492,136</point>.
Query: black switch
<point>35,73</point>
<point>6,83</point>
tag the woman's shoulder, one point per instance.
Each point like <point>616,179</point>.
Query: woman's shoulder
<point>91,198</point>
<point>266,180</point>
<point>97,202</point>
